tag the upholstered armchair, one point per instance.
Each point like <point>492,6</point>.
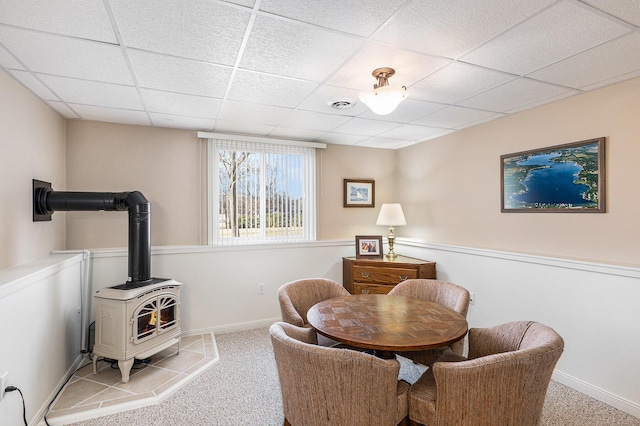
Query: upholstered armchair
<point>334,386</point>
<point>503,382</point>
<point>297,297</point>
<point>442,292</point>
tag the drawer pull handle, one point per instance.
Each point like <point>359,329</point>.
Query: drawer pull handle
<point>365,291</point>
<point>364,274</point>
<point>403,277</point>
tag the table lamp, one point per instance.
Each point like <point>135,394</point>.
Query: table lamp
<point>391,215</point>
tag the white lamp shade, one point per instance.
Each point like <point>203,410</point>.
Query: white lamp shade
<point>391,214</point>
<point>385,99</point>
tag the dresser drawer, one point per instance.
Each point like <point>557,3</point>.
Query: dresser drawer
<point>359,288</point>
<point>378,275</point>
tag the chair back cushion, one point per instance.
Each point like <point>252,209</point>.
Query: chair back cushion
<point>445,293</point>
<point>331,386</point>
<point>504,381</point>
<point>297,297</point>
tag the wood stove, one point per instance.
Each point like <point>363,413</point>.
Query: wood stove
<point>136,323</point>
<point>142,316</point>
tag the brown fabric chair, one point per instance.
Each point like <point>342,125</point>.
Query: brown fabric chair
<point>297,297</point>
<point>331,386</point>
<point>504,381</point>
<point>445,293</point>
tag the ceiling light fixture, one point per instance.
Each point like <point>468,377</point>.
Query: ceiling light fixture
<point>383,99</point>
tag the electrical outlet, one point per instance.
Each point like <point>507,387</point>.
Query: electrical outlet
<point>3,384</point>
<point>472,298</point>
<point>261,288</point>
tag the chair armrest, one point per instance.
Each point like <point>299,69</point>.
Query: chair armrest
<point>303,334</point>
<point>288,311</point>
<point>502,338</point>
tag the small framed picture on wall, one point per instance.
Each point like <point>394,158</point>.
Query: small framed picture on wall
<point>369,246</point>
<point>359,193</point>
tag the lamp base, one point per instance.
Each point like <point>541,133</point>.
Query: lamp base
<point>391,255</point>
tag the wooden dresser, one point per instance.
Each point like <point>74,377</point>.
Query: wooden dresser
<point>381,275</point>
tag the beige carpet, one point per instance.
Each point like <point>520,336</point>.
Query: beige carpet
<point>243,389</point>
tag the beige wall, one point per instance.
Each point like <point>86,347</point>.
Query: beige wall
<point>163,164</point>
<point>166,166</point>
<point>451,186</point>
<point>32,146</point>
<point>338,162</point>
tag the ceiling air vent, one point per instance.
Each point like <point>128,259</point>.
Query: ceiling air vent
<point>342,103</point>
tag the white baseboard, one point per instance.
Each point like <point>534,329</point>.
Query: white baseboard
<point>231,328</point>
<point>597,393</point>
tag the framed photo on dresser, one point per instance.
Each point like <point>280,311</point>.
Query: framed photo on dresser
<point>369,246</point>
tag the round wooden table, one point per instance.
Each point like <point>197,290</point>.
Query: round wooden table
<point>387,324</point>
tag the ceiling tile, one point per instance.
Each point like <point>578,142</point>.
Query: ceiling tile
<point>456,82</point>
<point>450,28</point>
<point>243,128</point>
<point>627,10</point>
<point>297,134</point>
<point>409,67</point>
<point>455,117</point>
<point>111,115</point>
<point>514,94</point>
<point>63,110</point>
<point>408,110</point>
<point>313,121</point>
<point>361,17</point>
<point>181,122</point>
<point>533,44</point>
<point>205,30</point>
<point>341,138</point>
<point>384,143</point>
<point>295,50</point>
<point>93,93</point>
<point>8,61</point>
<point>247,3</point>
<point>179,104</point>
<point>614,80</point>
<point>365,127</point>
<point>184,65</point>
<point>78,18</point>
<point>35,85</point>
<point>254,113</point>
<point>409,132</point>
<point>323,96</point>
<point>179,75</point>
<point>66,56</point>
<point>617,57</point>
<point>543,101</point>
<point>266,89</point>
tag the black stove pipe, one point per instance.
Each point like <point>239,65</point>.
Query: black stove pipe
<point>46,201</point>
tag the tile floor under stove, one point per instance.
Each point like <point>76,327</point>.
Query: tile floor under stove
<point>89,395</point>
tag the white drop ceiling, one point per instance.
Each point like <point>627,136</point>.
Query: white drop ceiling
<point>271,67</point>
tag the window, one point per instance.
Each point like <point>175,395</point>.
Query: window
<point>260,191</point>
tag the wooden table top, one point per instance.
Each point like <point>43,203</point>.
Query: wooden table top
<point>387,323</point>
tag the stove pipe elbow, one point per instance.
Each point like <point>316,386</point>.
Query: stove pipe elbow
<point>46,201</point>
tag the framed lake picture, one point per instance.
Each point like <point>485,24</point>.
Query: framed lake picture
<point>557,179</point>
